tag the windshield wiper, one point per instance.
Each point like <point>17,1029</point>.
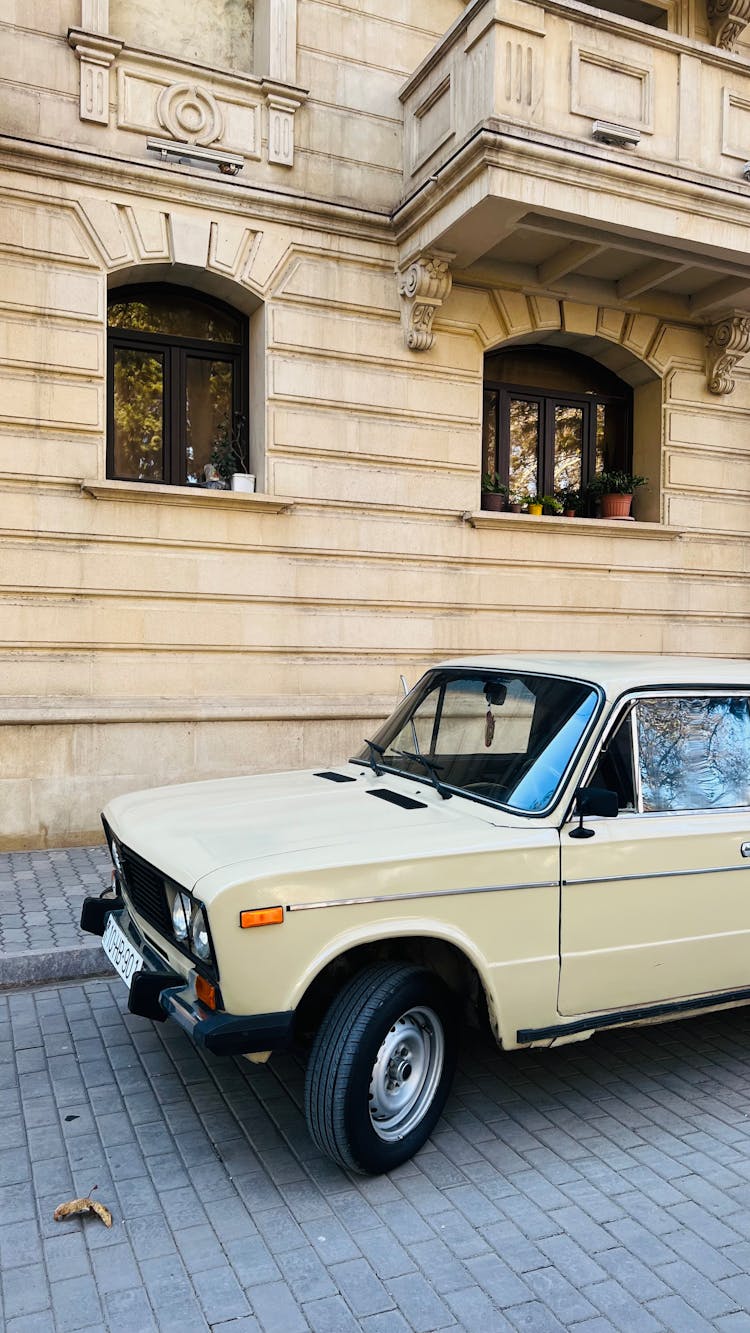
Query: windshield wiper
<point>374,749</point>
<point>432,770</point>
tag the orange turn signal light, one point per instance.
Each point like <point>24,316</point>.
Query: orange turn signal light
<point>262,916</point>
<point>205,992</point>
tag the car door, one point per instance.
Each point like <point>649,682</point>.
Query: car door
<point>655,905</point>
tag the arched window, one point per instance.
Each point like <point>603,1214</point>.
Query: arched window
<point>177,383</point>
<point>552,418</point>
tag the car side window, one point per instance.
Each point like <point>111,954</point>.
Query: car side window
<point>693,753</point>
<point>614,769</point>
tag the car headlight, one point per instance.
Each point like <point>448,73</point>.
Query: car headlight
<point>180,918</point>
<point>114,848</point>
<point>199,935</point>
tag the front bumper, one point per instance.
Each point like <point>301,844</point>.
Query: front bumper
<point>158,993</point>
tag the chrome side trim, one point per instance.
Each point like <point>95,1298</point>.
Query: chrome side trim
<point>656,874</point>
<point>434,893</point>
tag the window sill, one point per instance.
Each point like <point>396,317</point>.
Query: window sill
<point>149,493</point>
<point>592,527</point>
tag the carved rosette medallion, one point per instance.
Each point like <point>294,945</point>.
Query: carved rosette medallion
<point>728,20</point>
<point>190,114</point>
<point>423,287</point>
<point>726,343</point>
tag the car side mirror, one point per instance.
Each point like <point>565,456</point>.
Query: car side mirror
<point>594,801</point>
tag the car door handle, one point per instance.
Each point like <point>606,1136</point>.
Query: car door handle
<point>745,849</point>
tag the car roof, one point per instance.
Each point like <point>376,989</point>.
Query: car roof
<point>616,672</point>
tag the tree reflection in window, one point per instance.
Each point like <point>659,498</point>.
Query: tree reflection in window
<point>694,754</point>
<point>177,383</point>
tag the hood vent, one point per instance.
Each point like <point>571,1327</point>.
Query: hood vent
<point>395,798</point>
<point>335,777</point>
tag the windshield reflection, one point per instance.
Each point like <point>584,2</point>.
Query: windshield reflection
<point>498,736</point>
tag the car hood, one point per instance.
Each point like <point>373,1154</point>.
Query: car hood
<point>251,824</point>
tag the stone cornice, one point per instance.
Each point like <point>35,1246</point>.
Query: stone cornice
<point>175,185</point>
<point>94,46</point>
<point>515,149</point>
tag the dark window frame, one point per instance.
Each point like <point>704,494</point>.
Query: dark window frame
<point>504,391</point>
<point>176,351</point>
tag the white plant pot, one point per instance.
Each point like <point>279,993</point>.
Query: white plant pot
<point>243,481</point>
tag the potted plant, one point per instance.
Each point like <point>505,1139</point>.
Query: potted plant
<point>515,500</point>
<point>533,503</point>
<point>494,491</point>
<point>614,491</point>
<point>551,505</point>
<point>570,501</point>
<point>228,458</point>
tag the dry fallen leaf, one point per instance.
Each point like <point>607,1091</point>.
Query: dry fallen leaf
<point>83,1206</point>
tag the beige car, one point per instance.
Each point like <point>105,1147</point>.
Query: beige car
<point>466,866</point>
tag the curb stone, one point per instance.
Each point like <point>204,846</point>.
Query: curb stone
<point>35,966</point>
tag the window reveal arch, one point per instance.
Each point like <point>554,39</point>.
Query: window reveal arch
<point>176,385</point>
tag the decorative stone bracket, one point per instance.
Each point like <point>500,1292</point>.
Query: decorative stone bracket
<point>96,53</point>
<point>726,343</point>
<point>728,20</point>
<point>423,287</point>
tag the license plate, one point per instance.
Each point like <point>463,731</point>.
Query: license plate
<point>124,958</point>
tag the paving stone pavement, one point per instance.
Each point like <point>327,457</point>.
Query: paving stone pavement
<point>603,1187</point>
<point>40,907</point>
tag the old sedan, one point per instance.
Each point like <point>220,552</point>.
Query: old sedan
<point>549,844</point>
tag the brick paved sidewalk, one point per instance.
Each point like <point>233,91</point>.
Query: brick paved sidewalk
<point>40,907</point>
<point>594,1188</point>
<point>599,1187</point>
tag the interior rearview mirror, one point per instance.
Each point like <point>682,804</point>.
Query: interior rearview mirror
<point>495,695</point>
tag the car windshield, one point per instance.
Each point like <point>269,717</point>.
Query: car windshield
<point>499,736</point>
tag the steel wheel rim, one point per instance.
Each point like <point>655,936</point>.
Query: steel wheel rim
<point>406,1073</point>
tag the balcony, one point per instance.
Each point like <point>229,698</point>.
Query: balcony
<point>507,171</point>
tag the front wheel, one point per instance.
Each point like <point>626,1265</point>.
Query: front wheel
<point>381,1067</point>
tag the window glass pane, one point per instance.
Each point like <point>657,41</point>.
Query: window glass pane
<point>694,754</point>
<point>138,414</point>
<point>208,411</point>
<point>504,737</point>
<point>568,445</point>
<point>175,314</point>
<point>600,437</point>
<point>614,769</point>
<point>489,432</point>
<point>524,445</point>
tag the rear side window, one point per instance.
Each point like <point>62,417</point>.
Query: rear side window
<point>693,753</point>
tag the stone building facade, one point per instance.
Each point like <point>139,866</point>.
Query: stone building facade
<point>387,207</point>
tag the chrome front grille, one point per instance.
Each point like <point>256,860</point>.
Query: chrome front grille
<point>144,886</point>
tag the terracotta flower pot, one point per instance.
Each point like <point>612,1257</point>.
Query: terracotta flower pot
<point>616,506</point>
<point>491,500</point>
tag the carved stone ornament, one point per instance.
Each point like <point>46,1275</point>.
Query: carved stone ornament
<point>728,20</point>
<point>190,114</point>
<point>96,54</point>
<point>423,287</point>
<point>726,343</point>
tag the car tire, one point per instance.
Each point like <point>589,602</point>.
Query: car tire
<point>381,1067</point>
